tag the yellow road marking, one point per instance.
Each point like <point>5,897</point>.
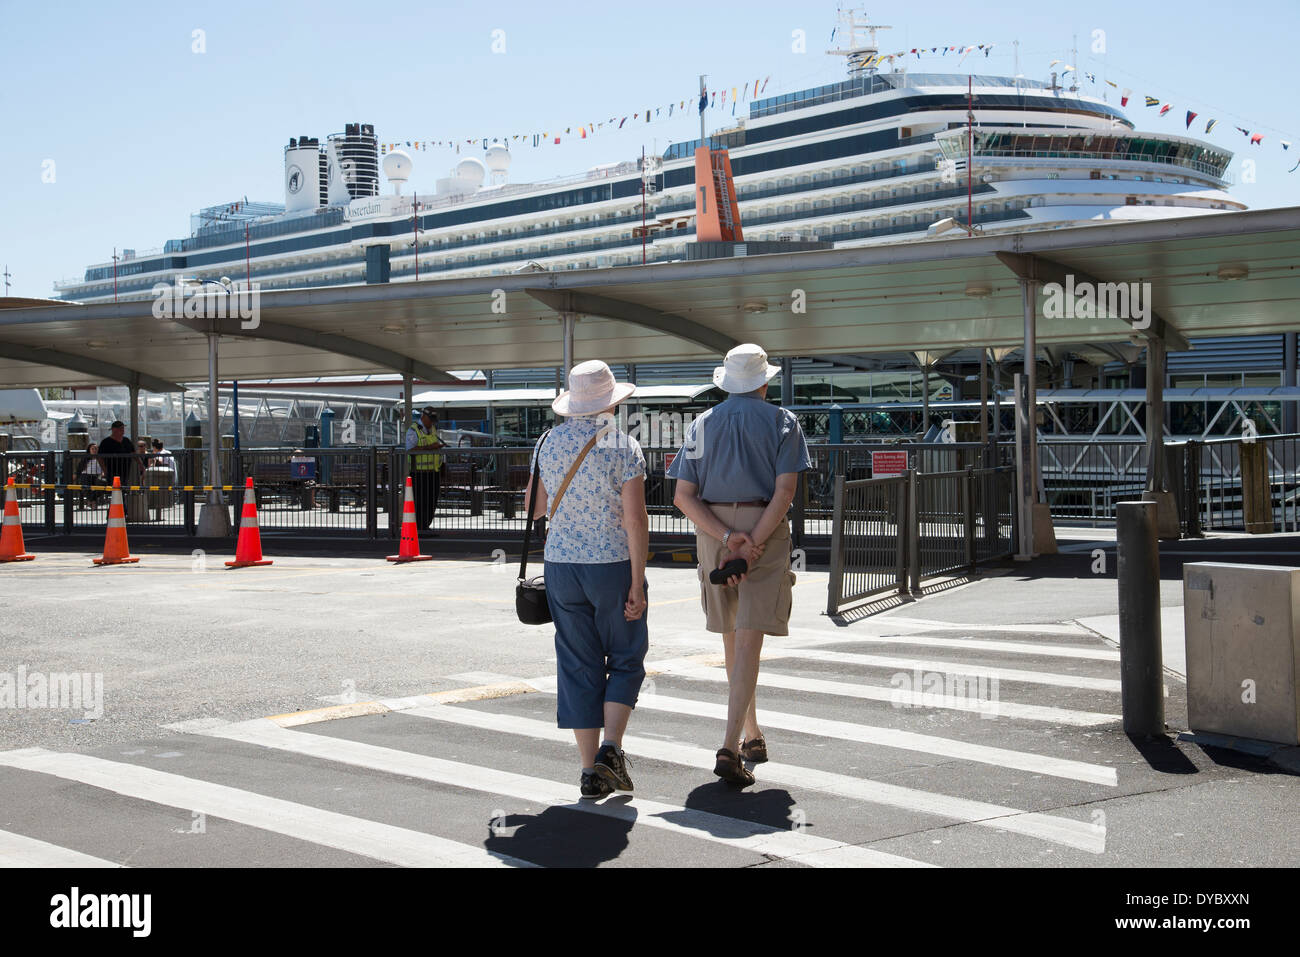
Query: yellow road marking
<point>503,689</point>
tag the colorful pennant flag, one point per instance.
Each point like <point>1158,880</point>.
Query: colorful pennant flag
<point>1190,116</point>
<point>1123,100</point>
<point>1152,101</point>
<point>1166,108</point>
<point>1210,125</point>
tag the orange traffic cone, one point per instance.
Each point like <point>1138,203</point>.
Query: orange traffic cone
<point>11,535</point>
<point>116,551</point>
<point>248,550</point>
<point>409,551</point>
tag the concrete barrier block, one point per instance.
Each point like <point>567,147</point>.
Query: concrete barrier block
<point>1242,627</point>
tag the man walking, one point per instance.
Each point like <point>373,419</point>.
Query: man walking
<point>736,478</point>
<point>422,438</point>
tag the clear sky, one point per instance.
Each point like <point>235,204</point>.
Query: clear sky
<point>141,130</point>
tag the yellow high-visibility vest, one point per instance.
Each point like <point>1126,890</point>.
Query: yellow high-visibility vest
<point>423,439</point>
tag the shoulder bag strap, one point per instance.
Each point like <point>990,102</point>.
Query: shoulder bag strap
<point>573,470</point>
<point>528,519</point>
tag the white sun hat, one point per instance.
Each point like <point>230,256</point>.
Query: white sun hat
<point>592,389</point>
<point>744,369</point>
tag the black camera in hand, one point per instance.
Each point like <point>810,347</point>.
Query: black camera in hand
<point>735,567</point>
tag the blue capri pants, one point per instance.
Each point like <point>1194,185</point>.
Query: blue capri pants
<point>599,655</point>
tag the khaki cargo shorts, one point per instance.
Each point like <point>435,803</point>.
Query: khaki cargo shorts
<point>762,601</point>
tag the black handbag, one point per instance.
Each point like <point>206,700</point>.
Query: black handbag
<point>530,593</point>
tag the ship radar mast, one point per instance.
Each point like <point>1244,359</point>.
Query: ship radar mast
<point>860,51</point>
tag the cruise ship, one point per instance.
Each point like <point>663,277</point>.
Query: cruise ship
<point>879,157</point>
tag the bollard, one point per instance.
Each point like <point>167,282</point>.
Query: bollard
<point>1140,662</point>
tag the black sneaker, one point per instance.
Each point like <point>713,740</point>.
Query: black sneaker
<point>594,787</point>
<point>612,765</point>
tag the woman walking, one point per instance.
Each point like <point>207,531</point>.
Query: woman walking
<point>593,489</point>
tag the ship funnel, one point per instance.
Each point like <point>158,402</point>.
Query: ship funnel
<point>302,186</point>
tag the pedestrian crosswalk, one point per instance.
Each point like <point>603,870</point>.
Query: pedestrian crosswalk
<point>1009,751</point>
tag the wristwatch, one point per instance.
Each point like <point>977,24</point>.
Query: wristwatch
<point>726,536</point>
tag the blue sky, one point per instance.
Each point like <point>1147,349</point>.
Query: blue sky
<point>143,131</point>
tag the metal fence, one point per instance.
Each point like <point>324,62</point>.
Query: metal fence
<point>1086,480</point>
<point>890,534</point>
<point>1208,475</point>
<point>357,491</point>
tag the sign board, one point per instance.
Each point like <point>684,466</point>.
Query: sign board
<point>888,464</point>
<point>668,460</point>
<point>302,468</point>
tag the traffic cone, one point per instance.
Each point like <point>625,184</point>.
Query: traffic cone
<point>116,551</point>
<point>248,550</point>
<point>409,551</point>
<point>11,535</point>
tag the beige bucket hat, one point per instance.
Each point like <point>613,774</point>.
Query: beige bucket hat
<point>592,389</point>
<point>744,369</point>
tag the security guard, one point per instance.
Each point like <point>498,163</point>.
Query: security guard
<point>425,468</point>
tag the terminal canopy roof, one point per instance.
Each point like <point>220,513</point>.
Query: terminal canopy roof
<point>1232,273</point>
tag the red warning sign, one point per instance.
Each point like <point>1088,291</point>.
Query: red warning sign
<point>888,464</point>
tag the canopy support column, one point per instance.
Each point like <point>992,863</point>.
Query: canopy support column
<point>925,398</point>
<point>1289,411</point>
<point>570,320</point>
<point>1037,536</point>
<point>408,419</point>
<point>1167,518</point>
<point>133,389</point>
<point>214,519</point>
<point>984,407</point>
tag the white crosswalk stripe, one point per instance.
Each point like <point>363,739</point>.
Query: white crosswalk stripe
<point>1044,649</point>
<point>384,842</point>
<point>991,707</point>
<point>887,737</point>
<point>789,845</point>
<point>1047,827</point>
<point>19,851</point>
<point>947,667</point>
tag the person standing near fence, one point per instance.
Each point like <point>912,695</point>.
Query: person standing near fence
<point>736,474</point>
<point>117,454</point>
<point>425,467</point>
<point>596,547</point>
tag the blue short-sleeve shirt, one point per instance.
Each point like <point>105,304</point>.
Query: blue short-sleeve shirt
<point>588,528</point>
<point>735,450</point>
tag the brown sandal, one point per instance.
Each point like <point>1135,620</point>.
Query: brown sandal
<point>755,750</point>
<point>732,769</point>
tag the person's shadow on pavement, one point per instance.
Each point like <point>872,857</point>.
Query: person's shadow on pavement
<point>771,807</point>
<point>562,836</point>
